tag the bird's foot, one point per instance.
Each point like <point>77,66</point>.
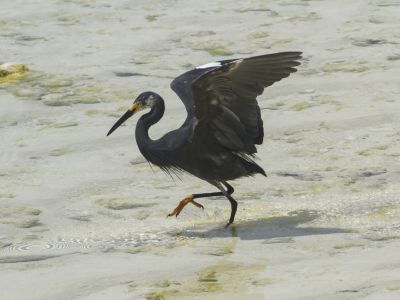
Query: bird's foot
<point>182,204</point>
<point>227,225</point>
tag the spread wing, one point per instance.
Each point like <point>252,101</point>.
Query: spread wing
<point>222,96</point>
<point>182,85</point>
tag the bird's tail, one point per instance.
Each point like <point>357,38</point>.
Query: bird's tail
<point>259,170</point>
<point>252,167</point>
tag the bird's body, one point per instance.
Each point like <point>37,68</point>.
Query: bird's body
<point>190,149</point>
<point>217,141</point>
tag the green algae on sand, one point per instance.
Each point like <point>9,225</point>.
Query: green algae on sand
<point>19,216</point>
<point>351,67</point>
<point>152,18</point>
<point>220,52</point>
<point>348,245</point>
<point>300,106</point>
<point>28,223</point>
<point>393,288</point>
<point>224,278</point>
<point>60,151</point>
<point>6,195</point>
<point>120,204</point>
<point>388,212</point>
<point>257,35</point>
<point>213,47</point>
<point>8,211</point>
<point>10,72</point>
<point>160,295</point>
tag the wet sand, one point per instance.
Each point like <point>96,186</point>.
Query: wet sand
<point>83,216</point>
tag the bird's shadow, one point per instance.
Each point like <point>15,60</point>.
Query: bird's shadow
<point>267,228</point>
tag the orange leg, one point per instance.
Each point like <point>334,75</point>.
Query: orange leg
<point>182,204</point>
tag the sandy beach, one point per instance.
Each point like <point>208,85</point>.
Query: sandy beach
<point>83,216</point>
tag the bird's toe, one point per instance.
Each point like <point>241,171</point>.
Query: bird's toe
<point>227,225</point>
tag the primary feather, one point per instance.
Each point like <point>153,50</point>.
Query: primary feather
<point>223,96</point>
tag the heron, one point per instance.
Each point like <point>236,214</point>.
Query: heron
<point>217,141</point>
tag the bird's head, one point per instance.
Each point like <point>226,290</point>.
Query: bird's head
<point>143,101</point>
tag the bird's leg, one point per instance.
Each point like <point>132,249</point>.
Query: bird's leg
<point>229,191</point>
<point>229,188</point>
<point>183,203</point>
<point>234,205</point>
<point>190,199</point>
<point>232,201</point>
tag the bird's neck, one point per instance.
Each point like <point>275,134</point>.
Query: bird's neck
<point>147,120</point>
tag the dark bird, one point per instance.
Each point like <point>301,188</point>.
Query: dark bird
<point>217,140</point>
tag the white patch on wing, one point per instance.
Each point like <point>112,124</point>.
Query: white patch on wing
<point>209,65</point>
<point>236,64</point>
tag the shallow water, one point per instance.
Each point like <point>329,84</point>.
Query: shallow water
<point>86,215</point>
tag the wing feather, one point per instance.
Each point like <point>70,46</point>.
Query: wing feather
<point>223,98</point>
